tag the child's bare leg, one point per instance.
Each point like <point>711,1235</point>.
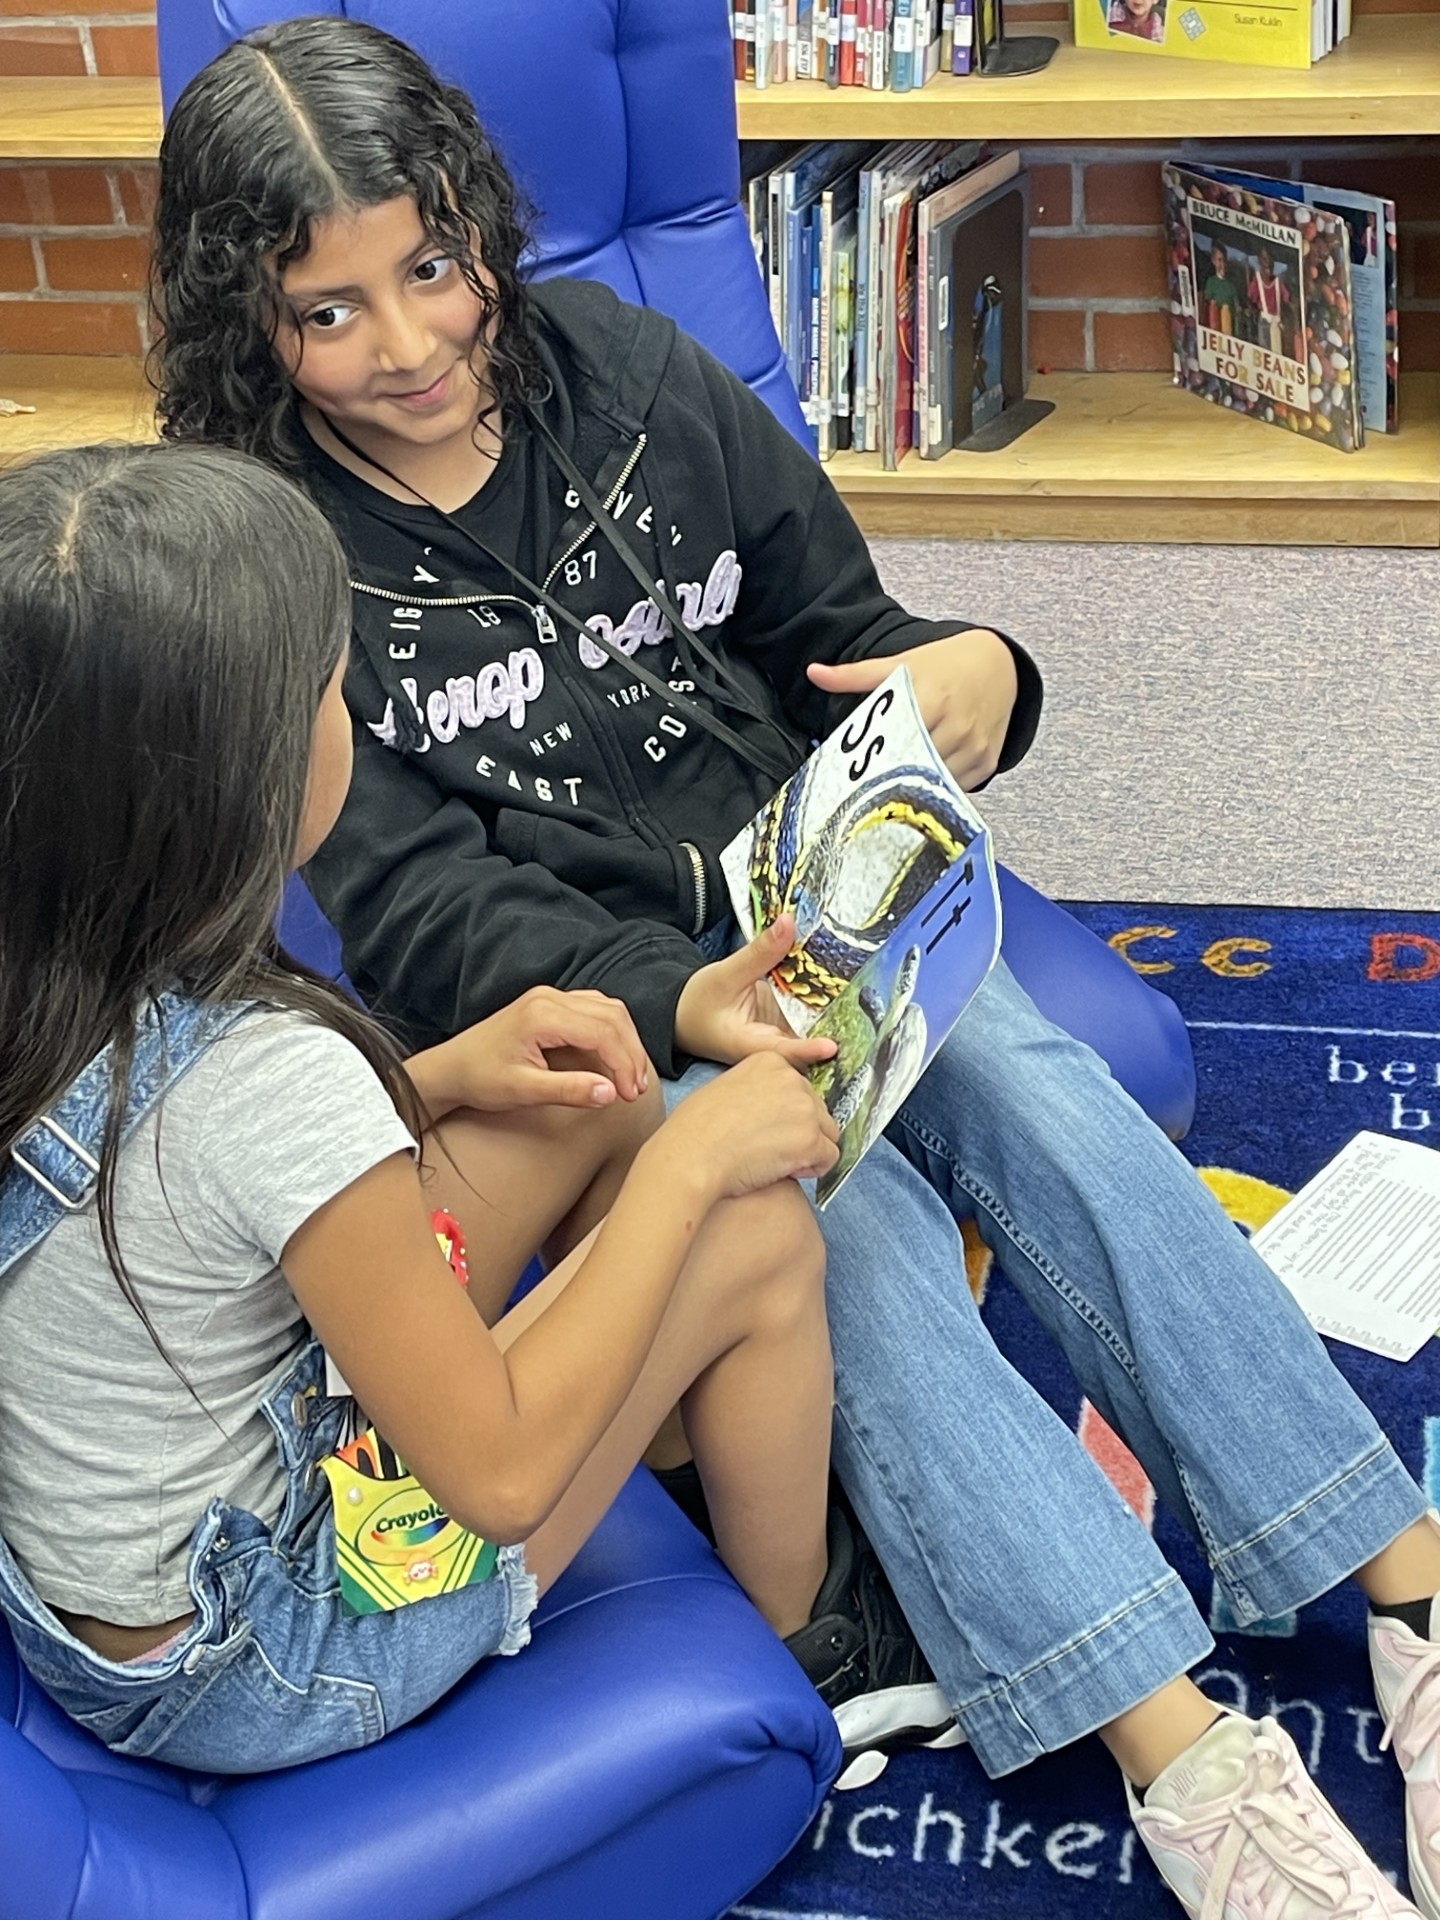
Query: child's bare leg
<point>535,1179</point>
<point>743,1347</point>
<point>1147,1737</point>
<point>1408,1569</point>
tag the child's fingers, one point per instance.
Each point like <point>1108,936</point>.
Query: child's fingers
<point>595,1024</point>
<point>539,1087</point>
<point>755,959</point>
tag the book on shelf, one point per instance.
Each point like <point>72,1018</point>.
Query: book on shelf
<point>1261,303</point>
<point>1374,281</point>
<point>888,871</point>
<point>1226,30</point>
<point>890,189</point>
<point>971,259</point>
<point>795,191</point>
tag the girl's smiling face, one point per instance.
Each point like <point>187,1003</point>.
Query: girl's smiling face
<point>378,329</point>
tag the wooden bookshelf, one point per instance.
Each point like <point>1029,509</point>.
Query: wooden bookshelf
<point>1123,457</point>
<point>1384,80</point>
<point>76,399</point>
<point>1129,456</point>
<point>92,117</point>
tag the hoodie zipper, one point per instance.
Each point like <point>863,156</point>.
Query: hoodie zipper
<point>702,887</point>
<point>544,625</point>
<point>610,498</point>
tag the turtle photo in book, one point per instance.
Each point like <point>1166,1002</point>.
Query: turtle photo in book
<point>1261,305</point>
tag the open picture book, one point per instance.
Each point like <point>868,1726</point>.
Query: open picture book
<point>888,870</point>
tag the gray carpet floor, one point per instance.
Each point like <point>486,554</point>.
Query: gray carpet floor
<point>1242,724</point>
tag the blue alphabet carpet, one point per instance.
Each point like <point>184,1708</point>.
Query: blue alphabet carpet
<point>1308,1026</point>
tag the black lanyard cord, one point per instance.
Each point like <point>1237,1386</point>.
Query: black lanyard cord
<point>595,507</point>
<point>765,762</point>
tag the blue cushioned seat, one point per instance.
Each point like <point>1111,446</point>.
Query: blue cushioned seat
<point>655,1750</point>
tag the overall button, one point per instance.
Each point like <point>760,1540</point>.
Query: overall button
<point>300,1410</point>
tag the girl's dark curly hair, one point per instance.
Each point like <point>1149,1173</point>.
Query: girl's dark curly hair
<point>291,124</point>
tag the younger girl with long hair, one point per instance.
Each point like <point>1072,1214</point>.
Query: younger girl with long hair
<point>602,600</point>
<point>214,1161</point>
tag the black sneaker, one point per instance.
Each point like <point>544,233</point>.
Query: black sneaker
<point>863,1661</point>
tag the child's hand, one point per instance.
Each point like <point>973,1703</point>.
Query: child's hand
<point>758,1123</point>
<point>727,1010</point>
<point>965,686</point>
<point>502,1062</point>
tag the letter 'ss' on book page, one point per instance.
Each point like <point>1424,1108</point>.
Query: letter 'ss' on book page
<point>1359,1245</point>
<point>888,870</point>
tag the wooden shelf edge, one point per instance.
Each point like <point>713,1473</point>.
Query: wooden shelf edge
<point>1176,521</point>
<point>90,117</point>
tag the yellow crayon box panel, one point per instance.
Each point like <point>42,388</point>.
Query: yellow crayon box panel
<point>393,1543</point>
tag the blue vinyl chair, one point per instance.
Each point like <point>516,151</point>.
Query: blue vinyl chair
<point>655,1750</point>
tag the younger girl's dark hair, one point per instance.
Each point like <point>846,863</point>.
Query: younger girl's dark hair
<point>289,125</point>
<point>169,618</point>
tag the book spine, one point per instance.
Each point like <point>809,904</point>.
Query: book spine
<point>832,44</point>
<point>862,43</point>
<point>947,35</point>
<point>902,46</point>
<point>843,346</point>
<point>847,42</point>
<point>775,252</point>
<point>737,35</point>
<point>922,344</point>
<point>779,43</point>
<point>962,59</point>
<point>880,23</point>
<point>804,39</point>
<point>824,370</point>
<point>790,288</point>
<point>862,311</point>
<point>762,43</point>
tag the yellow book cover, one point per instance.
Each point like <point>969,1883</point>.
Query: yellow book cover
<point>1245,36</point>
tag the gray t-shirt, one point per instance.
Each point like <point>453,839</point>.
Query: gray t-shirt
<point>106,1460</point>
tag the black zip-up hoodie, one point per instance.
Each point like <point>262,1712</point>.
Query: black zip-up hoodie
<point>523,811</point>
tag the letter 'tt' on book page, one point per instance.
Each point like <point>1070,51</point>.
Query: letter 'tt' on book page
<point>1359,1246</point>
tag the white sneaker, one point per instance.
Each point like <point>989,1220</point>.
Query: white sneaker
<point>1407,1686</point>
<point>1239,1831</point>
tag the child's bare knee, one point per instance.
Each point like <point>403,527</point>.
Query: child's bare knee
<point>782,1241</point>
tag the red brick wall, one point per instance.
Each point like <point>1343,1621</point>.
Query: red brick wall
<point>73,247</point>
<point>100,36</point>
<point>1097,264</point>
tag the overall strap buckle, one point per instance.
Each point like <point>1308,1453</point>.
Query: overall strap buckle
<point>74,1196</point>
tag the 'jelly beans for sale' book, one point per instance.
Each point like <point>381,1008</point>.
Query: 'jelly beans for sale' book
<point>1262,307</point>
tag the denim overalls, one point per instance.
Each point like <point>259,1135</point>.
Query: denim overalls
<point>270,1672</point>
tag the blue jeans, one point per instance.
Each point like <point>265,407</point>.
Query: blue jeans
<point>271,1671</point>
<point>1043,1604</point>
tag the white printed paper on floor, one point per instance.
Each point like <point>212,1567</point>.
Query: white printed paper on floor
<point>1359,1246</point>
